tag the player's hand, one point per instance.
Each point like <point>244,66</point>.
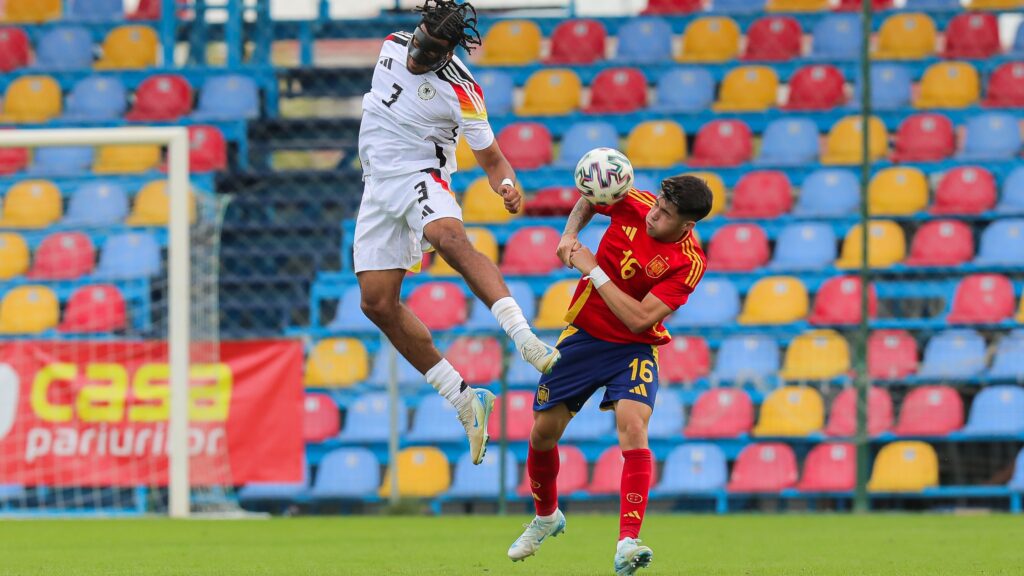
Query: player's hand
<point>566,246</point>
<point>583,260</point>
<point>513,198</point>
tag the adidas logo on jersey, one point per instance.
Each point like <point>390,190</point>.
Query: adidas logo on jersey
<point>640,390</point>
<point>630,231</point>
<point>386,62</point>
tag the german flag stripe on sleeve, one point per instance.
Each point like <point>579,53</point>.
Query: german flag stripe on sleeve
<point>400,38</point>
<point>471,96</point>
<point>696,265</point>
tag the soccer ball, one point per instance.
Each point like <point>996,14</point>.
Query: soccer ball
<point>603,176</point>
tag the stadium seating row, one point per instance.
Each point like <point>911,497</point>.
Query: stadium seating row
<point>72,256</point>
<point>129,47</point>
<point>38,11</point>
<point>800,6</point>
<point>35,309</point>
<point>31,204</point>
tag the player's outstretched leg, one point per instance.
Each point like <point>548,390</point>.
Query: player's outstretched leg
<point>542,464</point>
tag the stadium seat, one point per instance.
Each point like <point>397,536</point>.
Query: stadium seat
<point>843,145</point>
<point>483,481</point>
<point>96,98</point>
<point>161,98</point>
<point>439,305</point>
<point>789,142</point>
<point>816,355</point>
<point>33,11</point>
<point>743,359</point>
<point>838,302</point>
<point>31,100</point>
<point>973,36</point>
<point>126,159</point>
<point>924,137</point>
<point>153,203</point>
<point>62,160</point>
<point>95,308</point>
<point>719,305</point>
<point>498,87</point>
<point>982,299</point>
<point>617,91</point>
<point>520,416</point>
<point>572,473</point>
<point>608,472</point>
<point>31,204</point>
<point>527,145</point>
<point>1009,357</point>
<point>828,193</point>
<point>842,420</point>
<point>481,238</point>
<point>63,256</point>
<point>791,411</point>
<point>1011,200</point>
<point>236,97</point>
<point>683,90</point>
<point>930,411</point>
<point>13,160</point>
<point>1017,481</point>
<point>991,136</point>
<point>337,363</point>
<point>130,255</point>
<point>720,413</point>
<point>892,354</point>
<point>408,377</point>
<point>941,243</point>
<point>28,309</point>
<point>710,39</point>
<point>767,468</point>
<point>906,36</point>
<point>761,194</point>
<point>255,493</point>
<point>436,421</point>
<point>97,10</point>
<point>477,359</point>
<point>817,87</point>
<point>748,7</point>
<point>672,6</point>
<point>797,5</point>
<point>855,5</point>
<point>14,49</point>
<point>481,204</point>
<point>836,38</point>
<point>64,48</point>
<point>320,418</point>
<point>578,41</point>
<point>722,143</point>
<point>644,41</point>
<point>949,85</point>
<point>897,191</point>
<point>1002,243</point>
<point>692,468</point>
<point>805,246</point>
<point>480,317</point>
<point>368,419</point>
<point>656,144</point>
<point>531,251</point>
<point>997,411</point>
<point>738,247</point>
<point>891,87</point>
<point>994,5</point>
<point>511,42</point>
<point>422,473</point>
<point>464,157</point>
<point>905,467</point>
<point>685,359</point>
<point>583,137</point>
<point>774,39</point>
<point>551,92</point>
<point>207,149</point>
<point>1006,86</point>
<point>954,353</point>
<point>886,245</point>
<point>775,300</point>
<point>933,5</point>
<point>129,47</point>
<point>590,423</point>
<point>830,467</point>
<point>554,304</point>
<point>14,255</point>
<point>748,89</point>
<point>350,473</point>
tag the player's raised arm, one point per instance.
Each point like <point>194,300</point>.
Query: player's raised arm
<point>580,216</point>
<point>500,175</point>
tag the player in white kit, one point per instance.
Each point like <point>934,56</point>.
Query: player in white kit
<point>421,98</point>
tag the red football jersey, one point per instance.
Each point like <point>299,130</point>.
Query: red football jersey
<point>638,265</point>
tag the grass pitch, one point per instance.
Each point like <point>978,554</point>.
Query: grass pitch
<point>818,545</point>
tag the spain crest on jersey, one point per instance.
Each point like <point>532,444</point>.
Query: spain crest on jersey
<point>657,266</point>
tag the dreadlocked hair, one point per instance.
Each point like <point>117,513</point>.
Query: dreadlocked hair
<point>451,21</point>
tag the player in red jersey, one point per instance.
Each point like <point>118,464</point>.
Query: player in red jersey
<point>647,265</point>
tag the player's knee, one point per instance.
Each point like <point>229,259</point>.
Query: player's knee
<point>543,440</point>
<point>377,308</point>
<point>633,432</point>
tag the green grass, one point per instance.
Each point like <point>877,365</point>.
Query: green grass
<point>818,545</point>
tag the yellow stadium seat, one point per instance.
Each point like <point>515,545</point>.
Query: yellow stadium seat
<point>422,473</point>
<point>656,144</point>
<point>843,143</point>
<point>748,89</point>
<point>887,245</point>
<point>554,305</point>
<point>14,255</point>
<point>511,42</point>
<point>482,239</point>
<point>791,411</point>
<point>129,47</point>
<point>907,36</point>
<point>126,159</point>
<point>33,11</point>
<point>995,5</point>
<point>32,99</point>
<point>718,191</point>
<point>949,85</point>
<point>797,5</point>
<point>551,92</point>
<point>816,355</point>
<point>152,206</point>
<point>1020,311</point>
<point>904,467</point>
<point>464,157</point>
<point>775,300</point>
<point>898,191</point>
<point>710,39</point>
<point>337,363</point>
<point>29,309</point>
<point>32,204</point>
<point>481,204</point>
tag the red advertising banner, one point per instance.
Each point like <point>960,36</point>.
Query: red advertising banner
<point>96,413</point>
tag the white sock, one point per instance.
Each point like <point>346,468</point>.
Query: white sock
<point>449,383</point>
<point>550,517</point>
<point>510,317</point>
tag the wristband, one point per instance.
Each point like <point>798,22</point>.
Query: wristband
<point>508,182</point>
<point>598,277</point>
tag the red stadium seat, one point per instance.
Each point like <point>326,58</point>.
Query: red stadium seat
<point>965,190</point>
<point>146,10</point>
<point>817,87</point>
<point>930,411</point>
<point>531,250</point>
<point>527,145</point>
<point>1006,86</point>
<point>722,143</point>
<point>617,91</point>
<point>673,6</point>
<point>207,150</point>
<point>721,413</point>
<point>63,256</point>
<point>838,302</point>
<point>161,98</point>
<point>608,473</point>
<point>982,299</point>
<point>14,49</point>
<point>766,467</point>
<point>440,305</point>
<point>13,160</point>
<point>830,467</point>
<point>98,308</point>
<point>773,38</point>
<point>572,473</point>
<point>520,416</point>
<point>477,360</point>
<point>941,243</point>
<point>738,247</point>
<point>557,201</point>
<point>842,421</point>
<point>924,137</point>
<point>972,35</point>
<point>892,354</point>
<point>577,42</point>
<point>857,5</point>
<point>684,359</point>
<point>762,194</point>
<point>321,419</point>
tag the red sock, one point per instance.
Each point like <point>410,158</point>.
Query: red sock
<point>636,482</point>
<point>542,468</point>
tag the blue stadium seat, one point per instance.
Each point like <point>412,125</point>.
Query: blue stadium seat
<point>804,246</point>
<point>436,421</point>
<point>349,316</point>
<point>346,473</point>
<point>367,419</point>
<point>498,90</point>
<point>751,358</point>
<point>1017,482</point>
<point>96,98</point>
<point>828,193</point>
<point>1018,42</point>
<point>590,423</point>
<point>592,234</point>
<point>274,491</point>
<point>667,421</point>
<point>97,10</point>
<point>62,160</point>
<point>129,255</point>
<point>789,142</point>
<point>715,302</point>
<point>692,468</point>
<point>97,203</point>
<point>1002,243</point>
<point>953,354</point>
<point>991,136</point>
<point>583,137</point>
<point>997,411</point>
<point>837,37</point>
<point>65,48</point>
<point>230,97</point>
<point>480,317</point>
<point>1009,359</point>
<point>641,181</point>
<point>683,90</point>
<point>644,41</point>
<point>408,376</point>
<point>12,492</point>
<point>738,6</point>
<point>890,87</point>
<point>482,481</point>
<point>1011,201</point>
<point>932,6</point>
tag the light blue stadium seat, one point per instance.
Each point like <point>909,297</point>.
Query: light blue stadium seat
<point>129,255</point>
<point>436,421</point>
<point>737,6</point>
<point>991,136</point>
<point>65,48</point>
<point>480,317</point>
<point>715,302</point>
<point>498,89</point>
<point>368,418</point>
<point>828,193</point>
<point>789,142</point>
<point>890,87</point>
<point>97,10</point>
<point>274,491</point>
<point>346,473</point>
<point>482,481</point>
<point>97,203</point>
<point>1018,42</point>
<point>641,181</point>
<point>1017,482</point>
<point>837,37</point>
<point>954,353</point>
<point>229,97</point>
<point>408,375</point>
<point>1009,359</point>
<point>12,492</point>
<point>667,421</point>
<point>997,411</point>
<point>582,137</point>
<point>591,237</point>
<point>644,41</point>
<point>62,160</point>
<point>692,469</point>
<point>590,423</point>
<point>96,98</point>
<point>804,246</point>
<point>1011,201</point>
<point>749,358</point>
<point>349,316</point>
<point>932,5</point>
<point>683,90</point>
<point>1002,243</point>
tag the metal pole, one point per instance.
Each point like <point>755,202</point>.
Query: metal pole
<point>503,452</point>
<point>393,418</point>
<point>168,31</point>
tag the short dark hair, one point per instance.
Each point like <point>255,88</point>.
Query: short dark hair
<point>451,21</point>
<point>690,195</point>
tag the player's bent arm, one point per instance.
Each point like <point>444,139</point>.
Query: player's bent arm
<point>581,214</point>
<point>638,316</point>
<point>497,168</point>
